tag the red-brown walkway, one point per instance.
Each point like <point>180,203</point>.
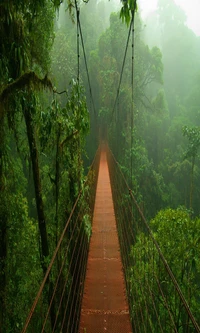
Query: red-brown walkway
<point>104,306</point>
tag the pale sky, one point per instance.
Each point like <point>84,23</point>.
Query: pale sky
<point>191,8</point>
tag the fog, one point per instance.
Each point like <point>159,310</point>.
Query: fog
<point>66,85</point>
<point>191,9</point>
<point>165,95</point>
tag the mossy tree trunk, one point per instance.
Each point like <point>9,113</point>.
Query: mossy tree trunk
<point>37,184</point>
<point>192,183</point>
<point>3,230</point>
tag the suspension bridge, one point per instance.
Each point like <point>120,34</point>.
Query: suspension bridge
<point>108,272</point>
<point>97,281</point>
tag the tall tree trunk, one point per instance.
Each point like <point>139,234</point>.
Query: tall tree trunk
<point>37,184</point>
<point>39,204</point>
<point>3,233</point>
<point>57,177</point>
<point>3,256</point>
<point>192,182</point>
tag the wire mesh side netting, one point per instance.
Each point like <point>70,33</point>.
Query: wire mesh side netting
<point>159,301</point>
<point>57,305</point>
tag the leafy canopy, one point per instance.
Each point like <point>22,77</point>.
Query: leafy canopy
<point>129,7</point>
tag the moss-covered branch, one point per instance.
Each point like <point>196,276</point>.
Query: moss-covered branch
<point>68,138</point>
<point>26,80</point>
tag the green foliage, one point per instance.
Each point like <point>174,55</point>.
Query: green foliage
<point>23,268</point>
<point>21,33</point>
<point>162,116</point>
<point>23,263</point>
<point>145,132</point>
<point>58,131</point>
<point>128,8</point>
<point>63,60</point>
<point>193,135</point>
<point>178,237</point>
<point>62,132</point>
<point>147,96</point>
<point>87,223</point>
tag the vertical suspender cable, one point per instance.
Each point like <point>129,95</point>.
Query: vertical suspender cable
<point>122,70</point>
<point>78,48</point>
<point>86,65</point>
<point>78,82</point>
<point>132,91</point>
<point>117,129</point>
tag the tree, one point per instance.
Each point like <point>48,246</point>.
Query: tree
<point>177,236</point>
<point>193,135</point>
<point>23,61</point>
<point>128,10</point>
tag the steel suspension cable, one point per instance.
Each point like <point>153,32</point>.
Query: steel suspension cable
<point>132,92</point>
<point>147,294</point>
<point>46,277</point>
<point>78,47</point>
<point>58,278</point>
<point>161,256</point>
<point>81,285</point>
<point>125,250</point>
<point>77,285</point>
<point>82,251</point>
<point>87,71</point>
<point>84,54</point>
<point>169,271</point>
<point>50,266</point>
<point>123,230</point>
<point>122,69</point>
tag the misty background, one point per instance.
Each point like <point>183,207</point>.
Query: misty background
<point>166,93</point>
<point>52,119</point>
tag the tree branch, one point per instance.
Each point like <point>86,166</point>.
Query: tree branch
<point>60,93</point>
<point>68,138</point>
<point>25,80</point>
<point>144,104</point>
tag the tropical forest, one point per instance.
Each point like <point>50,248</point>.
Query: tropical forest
<point>75,75</point>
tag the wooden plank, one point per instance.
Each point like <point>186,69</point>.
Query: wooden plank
<point>104,305</point>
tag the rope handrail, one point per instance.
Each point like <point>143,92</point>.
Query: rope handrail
<point>161,255</point>
<point>50,266</point>
<point>47,274</point>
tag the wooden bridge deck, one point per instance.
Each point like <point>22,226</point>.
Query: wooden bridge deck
<point>104,306</point>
